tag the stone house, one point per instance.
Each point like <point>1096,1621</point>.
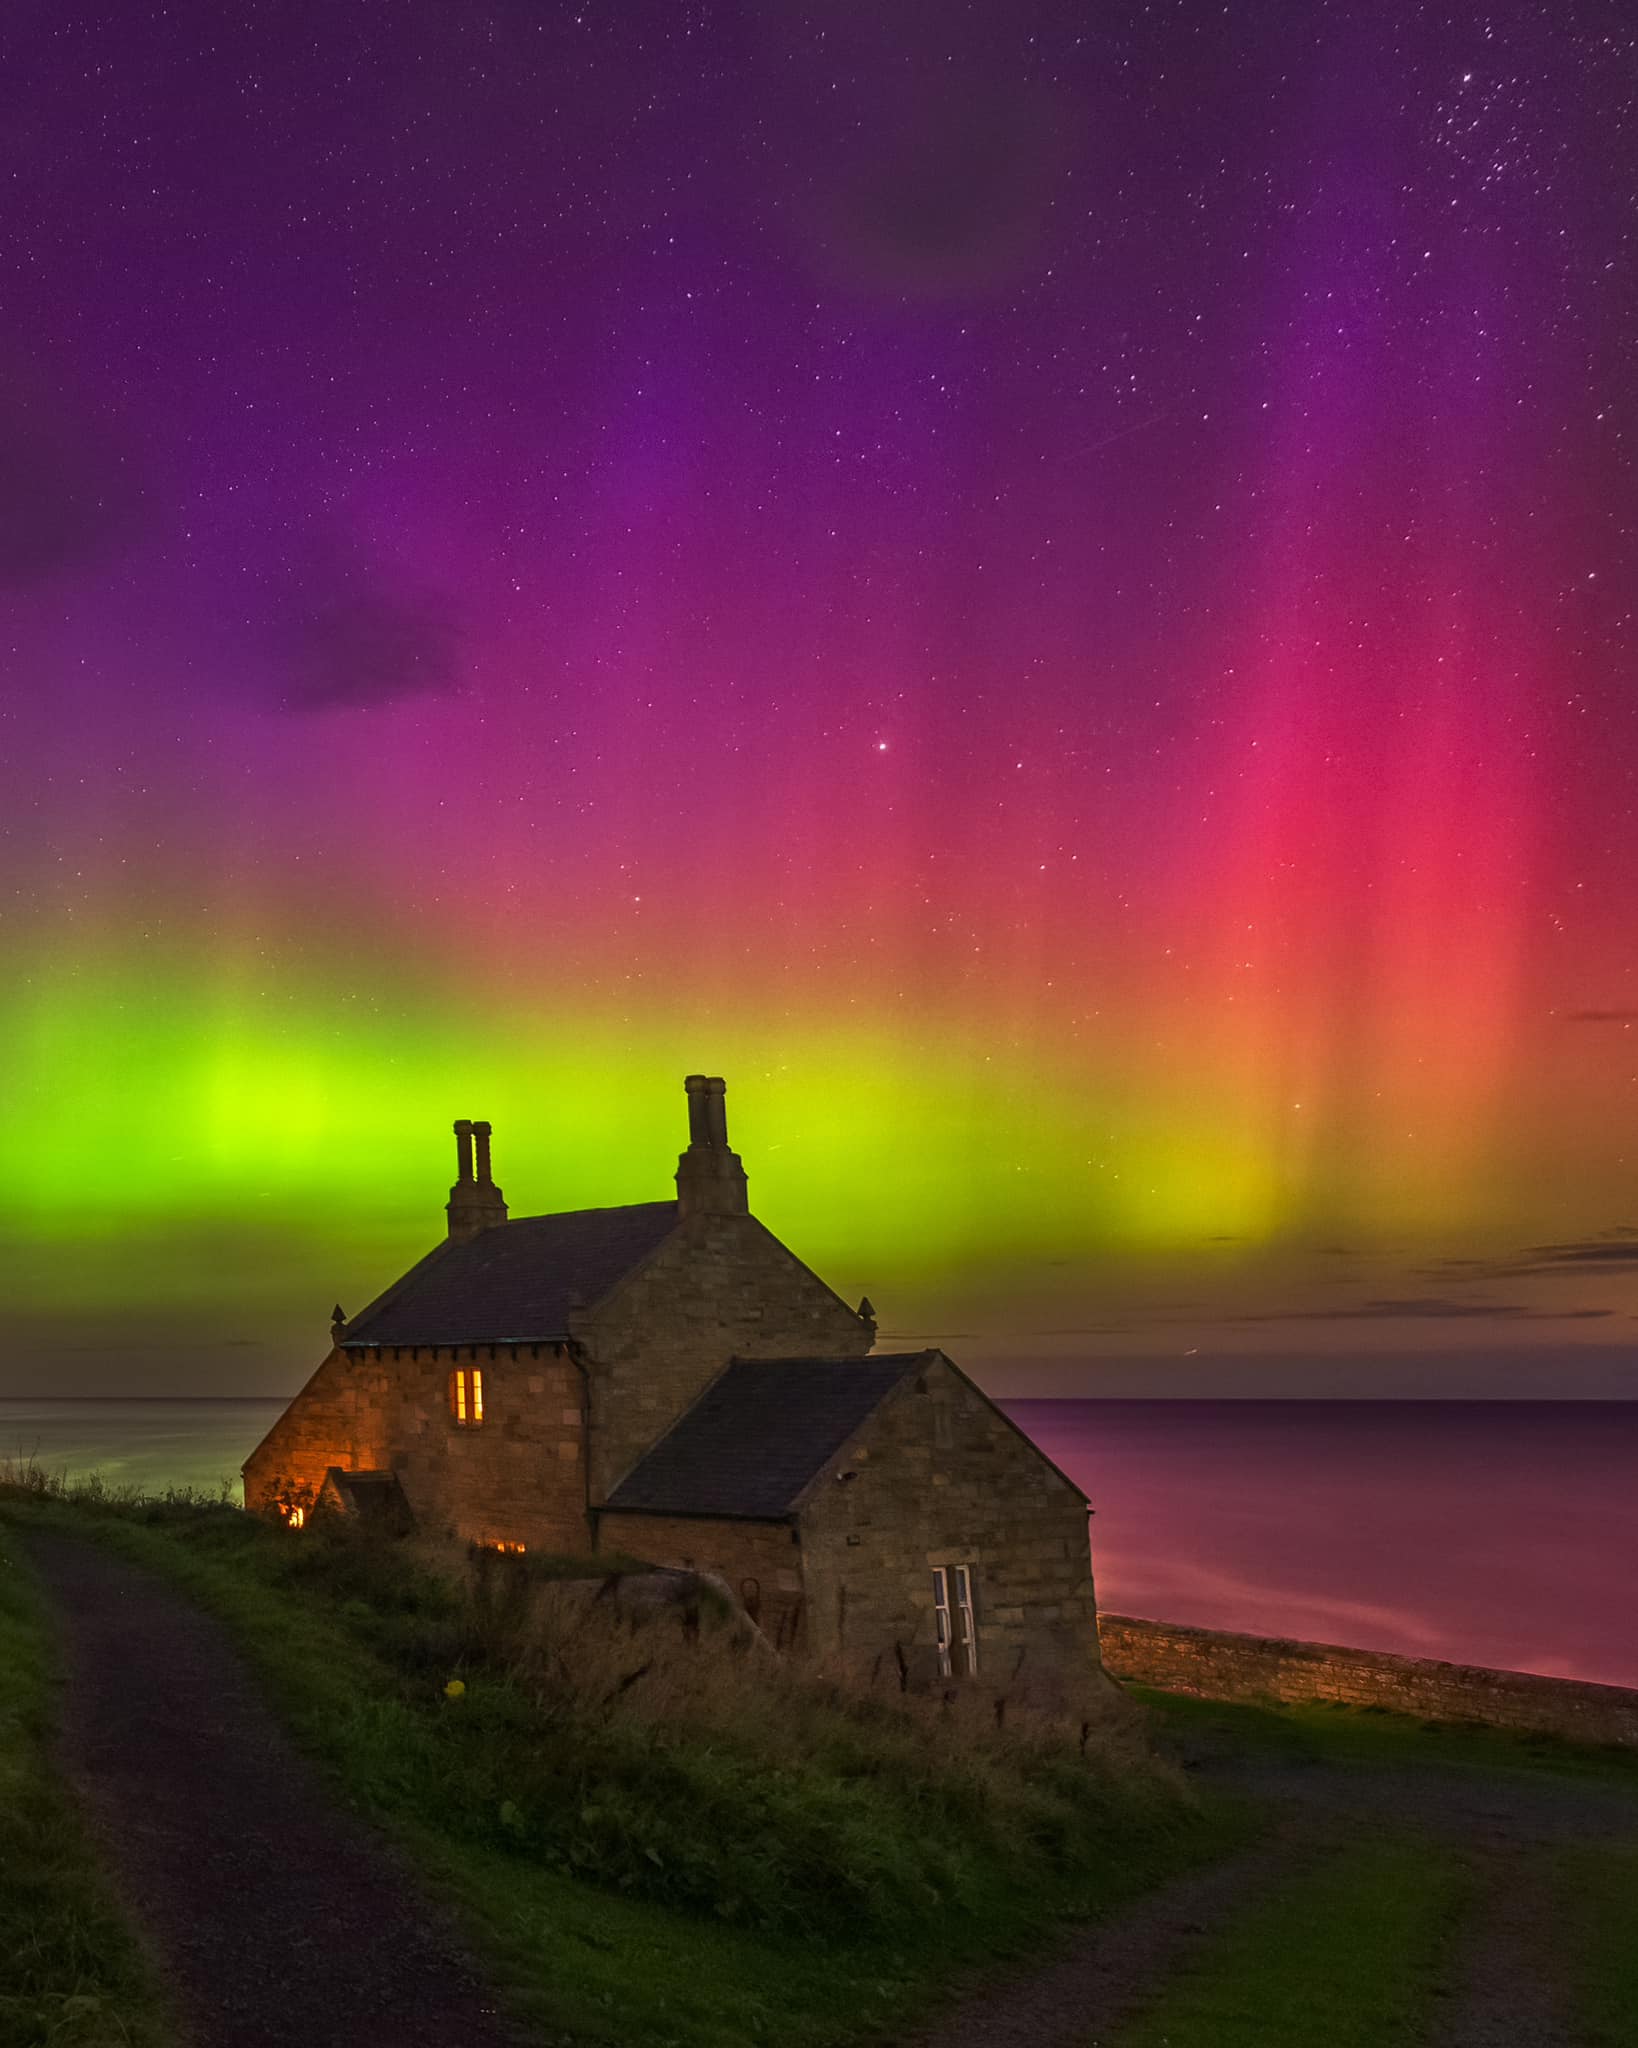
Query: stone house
<point>667,1381</point>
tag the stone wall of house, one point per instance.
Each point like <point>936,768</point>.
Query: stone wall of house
<point>338,1418</point>
<point>761,1561</point>
<point>1220,1666</point>
<point>719,1287</point>
<point>517,1477</point>
<point>940,1477</point>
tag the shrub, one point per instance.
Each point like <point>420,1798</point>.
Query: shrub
<point>661,1751</point>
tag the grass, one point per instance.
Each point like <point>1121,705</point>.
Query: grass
<point>1597,1894</point>
<point>656,1839</point>
<point>1324,1733</point>
<point>71,1973</point>
<point>1348,1955</point>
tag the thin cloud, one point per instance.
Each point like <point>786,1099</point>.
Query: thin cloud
<point>347,631</point>
<point>1091,1330</point>
<point>1610,1251</point>
<point>923,1336</point>
<point>1601,1017</point>
<point>165,1344</point>
<point>1426,1308</point>
<point>363,647</point>
<point>954,194</point>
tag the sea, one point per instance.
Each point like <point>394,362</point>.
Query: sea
<point>1501,1533</point>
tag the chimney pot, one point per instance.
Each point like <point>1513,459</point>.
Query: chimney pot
<point>710,1178</point>
<point>699,1132</point>
<point>475,1203</point>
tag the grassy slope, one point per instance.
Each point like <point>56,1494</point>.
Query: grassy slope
<point>636,1884</point>
<point>831,1877</point>
<point>71,1976</point>
<point>1598,1893</point>
<point>1340,1734</point>
<point>1347,1955</point>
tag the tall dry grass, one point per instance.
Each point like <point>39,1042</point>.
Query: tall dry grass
<point>656,1749</point>
<point>605,1647</point>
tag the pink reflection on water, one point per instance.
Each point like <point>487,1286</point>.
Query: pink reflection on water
<point>1501,1533</point>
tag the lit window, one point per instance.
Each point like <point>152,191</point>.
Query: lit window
<point>295,1518</point>
<point>508,1549</point>
<point>466,1397</point>
<point>955,1632</point>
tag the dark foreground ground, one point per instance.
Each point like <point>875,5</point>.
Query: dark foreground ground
<point>1402,1886</point>
<point>1489,1870</point>
<point>276,1918</point>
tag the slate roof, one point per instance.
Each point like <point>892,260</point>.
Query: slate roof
<point>758,1434</point>
<point>515,1282</point>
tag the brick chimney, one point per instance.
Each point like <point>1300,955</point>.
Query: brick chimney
<point>475,1203</point>
<point>710,1178</point>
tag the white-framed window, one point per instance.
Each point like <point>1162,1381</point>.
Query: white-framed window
<point>955,1629</point>
<point>466,1397</point>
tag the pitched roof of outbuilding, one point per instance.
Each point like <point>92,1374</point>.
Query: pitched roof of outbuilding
<point>758,1435</point>
<point>516,1282</point>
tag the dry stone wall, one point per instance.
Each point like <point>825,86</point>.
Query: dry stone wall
<point>761,1561</point>
<point>1221,1666</point>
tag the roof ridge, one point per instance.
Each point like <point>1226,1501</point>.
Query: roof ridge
<point>598,1209</point>
<point>516,1282</point>
<point>902,1358</point>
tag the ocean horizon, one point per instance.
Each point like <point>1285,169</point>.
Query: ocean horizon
<point>1486,1532</point>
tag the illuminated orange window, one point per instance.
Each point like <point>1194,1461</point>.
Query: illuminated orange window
<point>466,1397</point>
<point>509,1549</point>
<point>295,1518</point>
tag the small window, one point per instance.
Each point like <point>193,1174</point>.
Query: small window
<point>295,1517</point>
<point>943,1433</point>
<point>466,1397</point>
<point>506,1548</point>
<point>955,1630</point>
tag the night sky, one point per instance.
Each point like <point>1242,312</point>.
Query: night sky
<point>1051,590</point>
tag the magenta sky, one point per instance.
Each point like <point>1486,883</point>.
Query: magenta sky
<point>1052,591</point>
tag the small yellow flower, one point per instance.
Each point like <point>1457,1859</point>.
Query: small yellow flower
<point>455,1689</point>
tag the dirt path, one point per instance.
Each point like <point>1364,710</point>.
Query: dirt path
<point>277,1917</point>
<point>1508,1990</point>
<point>1505,1987</point>
<point>1101,1976</point>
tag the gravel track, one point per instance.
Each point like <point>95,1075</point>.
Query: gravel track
<point>1505,1983</point>
<point>275,1915</point>
<point>1103,1974</point>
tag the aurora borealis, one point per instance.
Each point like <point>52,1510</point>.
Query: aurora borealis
<point>1052,594</point>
